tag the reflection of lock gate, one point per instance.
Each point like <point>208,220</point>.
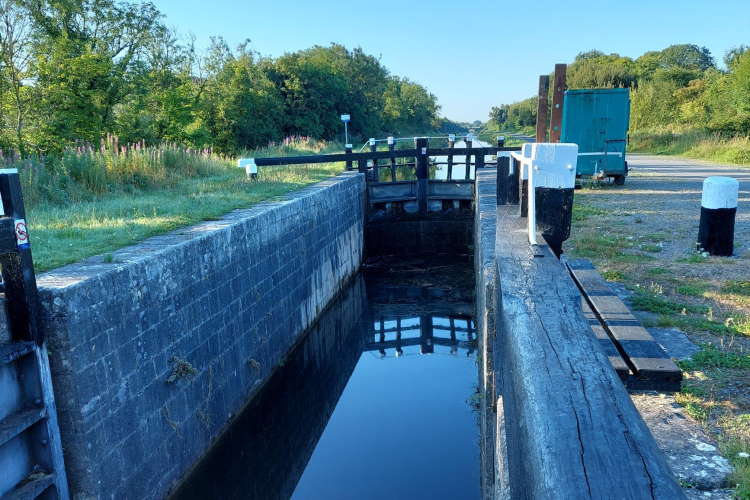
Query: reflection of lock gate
<point>29,436</point>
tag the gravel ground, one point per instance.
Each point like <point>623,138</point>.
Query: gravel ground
<point>643,236</point>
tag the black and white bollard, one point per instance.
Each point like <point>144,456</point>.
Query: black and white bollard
<point>718,210</point>
<point>551,184</point>
<point>348,150</point>
<point>251,169</point>
<point>523,185</point>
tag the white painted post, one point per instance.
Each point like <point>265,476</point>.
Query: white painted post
<point>251,169</point>
<point>718,211</point>
<point>550,165</point>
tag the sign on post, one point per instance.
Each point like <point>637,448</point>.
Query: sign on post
<point>346,119</point>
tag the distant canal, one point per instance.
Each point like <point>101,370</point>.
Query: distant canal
<point>377,402</point>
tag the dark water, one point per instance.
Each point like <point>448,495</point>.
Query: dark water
<point>376,402</point>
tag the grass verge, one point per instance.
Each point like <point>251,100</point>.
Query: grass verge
<point>693,144</point>
<point>93,202</point>
<point>706,297</point>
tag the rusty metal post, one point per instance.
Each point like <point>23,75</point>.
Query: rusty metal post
<point>422,173</point>
<point>541,109</point>
<point>558,94</point>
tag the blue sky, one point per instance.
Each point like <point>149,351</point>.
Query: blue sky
<point>471,55</point>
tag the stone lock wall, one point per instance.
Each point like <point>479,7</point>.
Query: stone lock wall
<point>155,350</point>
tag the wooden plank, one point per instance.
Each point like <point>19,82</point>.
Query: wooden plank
<point>451,146</point>
<point>422,171</point>
<point>7,235</point>
<point>650,364</point>
<point>332,158</point>
<point>558,94</point>
<point>572,431</point>
<point>21,295</point>
<point>13,351</point>
<point>348,151</point>
<point>615,359</point>
<point>392,147</point>
<point>16,423</point>
<point>346,157</point>
<point>32,487</point>
<point>542,109</point>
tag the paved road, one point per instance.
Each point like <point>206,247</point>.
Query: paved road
<point>684,173</point>
<point>669,190</point>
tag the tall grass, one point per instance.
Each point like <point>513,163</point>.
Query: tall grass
<point>693,144</point>
<point>88,201</point>
<point>84,173</point>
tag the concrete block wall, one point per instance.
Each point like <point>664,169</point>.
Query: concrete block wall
<point>492,437</point>
<point>155,350</point>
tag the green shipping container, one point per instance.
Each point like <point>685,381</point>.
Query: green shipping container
<point>597,120</point>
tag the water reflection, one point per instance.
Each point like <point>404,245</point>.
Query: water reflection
<point>374,403</point>
<point>424,331</point>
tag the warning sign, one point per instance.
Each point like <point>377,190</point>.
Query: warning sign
<point>22,234</point>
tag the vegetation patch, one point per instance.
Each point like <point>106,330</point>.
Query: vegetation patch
<point>644,300</point>
<point>72,218</point>
<point>693,289</point>
<point>181,369</point>
<point>582,212</point>
<point>613,275</point>
<point>737,288</point>
<point>711,356</point>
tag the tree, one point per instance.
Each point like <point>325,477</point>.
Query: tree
<point>595,69</point>
<point>409,107</point>
<point>85,51</point>
<point>241,107</point>
<point>499,114</point>
<point>685,57</point>
<point>15,58</point>
<point>733,55</point>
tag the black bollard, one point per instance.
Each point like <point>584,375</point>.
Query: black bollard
<point>718,211</point>
<point>348,150</point>
<point>554,207</point>
<point>553,174</point>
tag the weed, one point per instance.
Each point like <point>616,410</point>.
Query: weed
<point>737,288</point>
<point>582,212</point>
<point>652,302</point>
<point>711,356</point>
<point>693,405</point>
<point>694,324</point>
<point>613,275</point>
<point>693,289</point>
<point>650,248</point>
<point>693,259</point>
<point>181,369</point>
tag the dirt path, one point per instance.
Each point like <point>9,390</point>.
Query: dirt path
<point>642,237</point>
<point>665,194</point>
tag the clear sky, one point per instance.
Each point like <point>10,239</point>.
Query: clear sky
<point>471,55</point>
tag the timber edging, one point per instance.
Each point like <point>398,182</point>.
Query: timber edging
<point>571,429</point>
<point>646,365</point>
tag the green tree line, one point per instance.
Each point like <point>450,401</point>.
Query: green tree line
<point>675,89</point>
<point>74,71</point>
